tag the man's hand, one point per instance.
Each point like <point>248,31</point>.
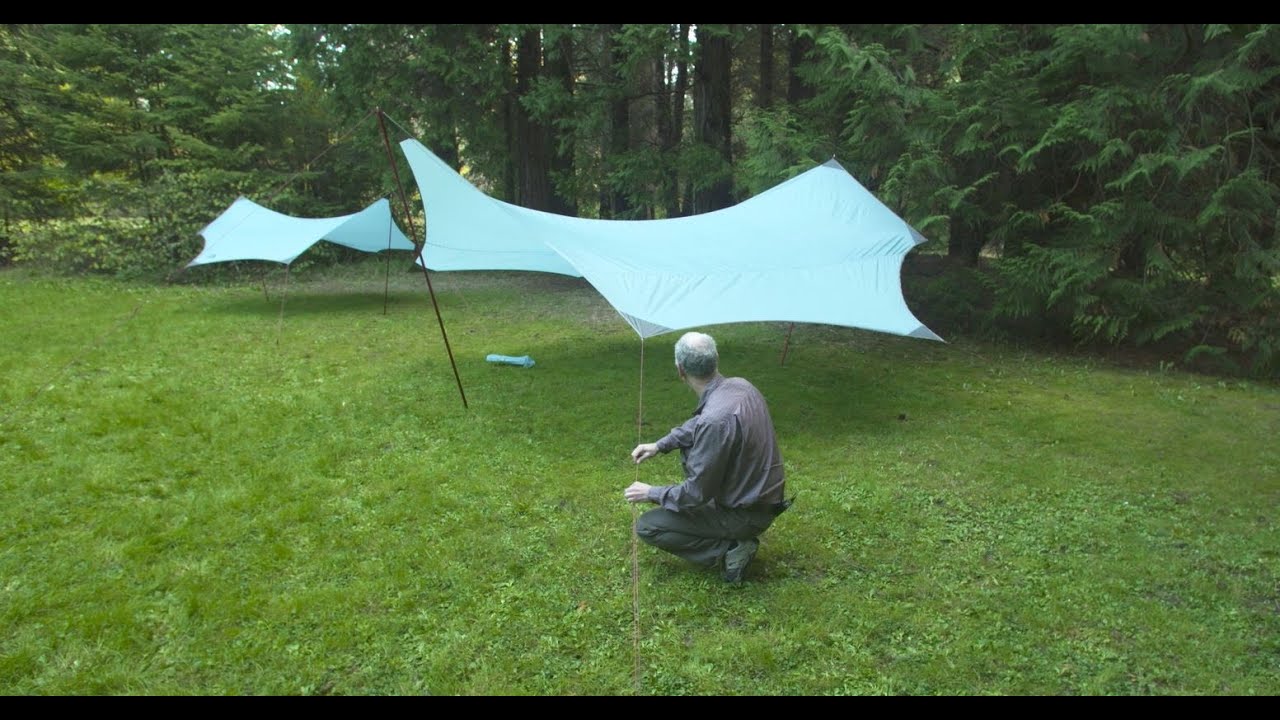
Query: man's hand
<point>644,452</point>
<point>637,492</point>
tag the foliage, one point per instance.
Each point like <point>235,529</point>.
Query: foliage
<point>777,149</point>
<point>1119,174</point>
<point>1119,180</point>
<point>147,145</point>
<point>1138,248</point>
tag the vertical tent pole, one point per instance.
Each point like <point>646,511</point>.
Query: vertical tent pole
<point>283,294</point>
<point>635,558</point>
<point>427,276</point>
<point>386,283</point>
<point>786,344</point>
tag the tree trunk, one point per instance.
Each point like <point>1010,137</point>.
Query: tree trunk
<point>533,160</point>
<point>509,175</point>
<point>680,205</point>
<point>966,242</point>
<point>765,97</point>
<point>662,113</point>
<point>560,68</point>
<point>712,110</point>
<point>798,48</point>
<point>614,200</point>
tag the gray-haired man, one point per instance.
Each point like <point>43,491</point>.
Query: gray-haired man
<point>733,487</point>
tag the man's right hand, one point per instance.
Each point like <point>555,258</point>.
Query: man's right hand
<point>637,492</point>
<point>644,452</point>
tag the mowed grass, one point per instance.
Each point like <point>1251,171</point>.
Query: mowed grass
<point>206,492</point>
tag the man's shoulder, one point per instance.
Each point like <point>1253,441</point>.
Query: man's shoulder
<point>740,384</point>
<point>728,398</point>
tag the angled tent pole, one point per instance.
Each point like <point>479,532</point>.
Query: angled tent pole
<point>414,234</point>
<point>289,180</point>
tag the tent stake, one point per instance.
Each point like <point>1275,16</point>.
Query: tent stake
<point>419,261</point>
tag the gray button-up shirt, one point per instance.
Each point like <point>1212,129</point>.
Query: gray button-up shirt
<point>728,449</point>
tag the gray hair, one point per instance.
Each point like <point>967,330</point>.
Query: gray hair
<point>696,355</point>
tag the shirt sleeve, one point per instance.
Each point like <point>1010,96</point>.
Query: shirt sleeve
<point>705,462</point>
<point>679,437</point>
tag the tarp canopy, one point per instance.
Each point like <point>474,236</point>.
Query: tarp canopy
<point>818,248</point>
<point>468,230</point>
<point>249,231</point>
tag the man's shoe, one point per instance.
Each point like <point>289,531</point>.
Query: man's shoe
<point>738,558</point>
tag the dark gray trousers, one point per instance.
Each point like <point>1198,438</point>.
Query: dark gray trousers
<point>701,536</point>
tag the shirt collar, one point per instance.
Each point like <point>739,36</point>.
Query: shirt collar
<point>706,392</point>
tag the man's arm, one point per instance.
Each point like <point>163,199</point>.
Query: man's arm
<point>706,461</point>
<point>679,437</point>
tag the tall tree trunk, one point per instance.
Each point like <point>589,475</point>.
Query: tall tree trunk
<point>614,201</point>
<point>765,97</point>
<point>442,136</point>
<point>680,205</point>
<point>560,69</point>
<point>712,110</point>
<point>966,241</point>
<point>532,158</point>
<point>510,174</point>
<point>798,48</point>
<point>662,114</point>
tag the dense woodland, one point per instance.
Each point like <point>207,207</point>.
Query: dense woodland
<point>1109,185</point>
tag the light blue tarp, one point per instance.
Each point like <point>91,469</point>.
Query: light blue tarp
<point>818,248</point>
<point>249,231</point>
<point>468,230</point>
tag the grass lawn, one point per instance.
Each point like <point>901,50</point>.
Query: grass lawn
<point>206,491</point>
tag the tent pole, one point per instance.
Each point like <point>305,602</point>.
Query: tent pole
<point>386,285</point>
<point>786,344</point>
<point>333,144</point>
<point>635,516</point>
<point>382,123</point>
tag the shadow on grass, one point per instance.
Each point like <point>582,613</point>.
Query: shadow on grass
<point>327,303</point>
<point>834,381</point>
<point>817,392</point>
<point>329,295</point>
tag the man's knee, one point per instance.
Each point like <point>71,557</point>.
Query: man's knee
<point>647,525</point>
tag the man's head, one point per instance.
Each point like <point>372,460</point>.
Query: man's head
<point>696,356</point>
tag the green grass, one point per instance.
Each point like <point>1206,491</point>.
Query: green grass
<point>202,494</point>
